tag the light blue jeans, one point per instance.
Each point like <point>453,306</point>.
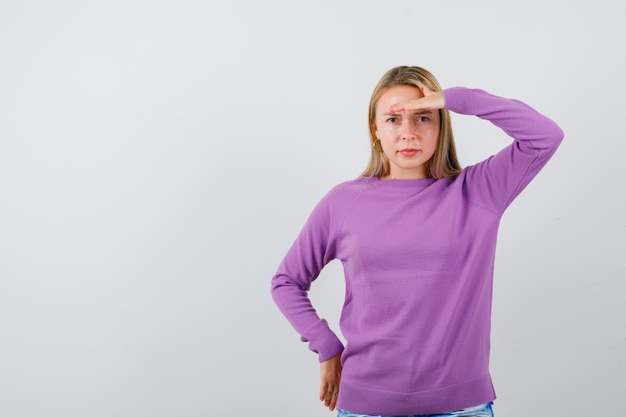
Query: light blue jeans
<point>480,411</point>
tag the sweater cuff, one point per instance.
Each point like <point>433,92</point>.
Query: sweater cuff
<point>322,340</point>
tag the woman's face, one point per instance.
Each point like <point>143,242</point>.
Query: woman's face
<point>408,138</point>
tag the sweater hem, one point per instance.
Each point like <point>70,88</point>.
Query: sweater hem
<point>366,400</point>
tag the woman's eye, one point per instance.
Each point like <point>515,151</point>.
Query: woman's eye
<point>392,120</point>
<point>422,119</point>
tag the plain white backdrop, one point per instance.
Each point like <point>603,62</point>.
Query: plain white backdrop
<point>158,158</point>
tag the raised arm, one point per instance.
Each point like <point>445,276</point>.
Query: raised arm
<point>495,182</point>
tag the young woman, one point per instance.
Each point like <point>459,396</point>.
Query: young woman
<point>416,235</point>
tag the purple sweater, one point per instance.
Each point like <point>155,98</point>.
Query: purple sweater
<point>418,257</point>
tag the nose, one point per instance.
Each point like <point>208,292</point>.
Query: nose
<point>408,130</point>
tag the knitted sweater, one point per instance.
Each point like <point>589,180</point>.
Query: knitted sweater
<point>418,257</point>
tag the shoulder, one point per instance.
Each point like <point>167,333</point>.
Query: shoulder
<point>344,193</point>
<point>351,186</point>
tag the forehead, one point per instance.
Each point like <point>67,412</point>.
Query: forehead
<point>398,94</point>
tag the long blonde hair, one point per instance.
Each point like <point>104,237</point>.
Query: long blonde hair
<point>444,162</point>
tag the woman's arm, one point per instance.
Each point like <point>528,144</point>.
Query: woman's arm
<point>495,182</point>
<point>312,250</point>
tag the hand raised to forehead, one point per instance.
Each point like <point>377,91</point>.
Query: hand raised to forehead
<point>430,101</point>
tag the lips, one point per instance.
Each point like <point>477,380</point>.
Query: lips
<point>409,151</point>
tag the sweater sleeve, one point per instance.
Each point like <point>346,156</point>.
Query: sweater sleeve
<point>312,250</point>
<point>495,182</point>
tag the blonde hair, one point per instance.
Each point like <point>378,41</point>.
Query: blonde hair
<point>444,162</point>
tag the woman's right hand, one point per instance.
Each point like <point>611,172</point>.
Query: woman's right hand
<point>330,374</point>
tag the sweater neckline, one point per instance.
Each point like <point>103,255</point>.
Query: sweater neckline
<point>415,183</point>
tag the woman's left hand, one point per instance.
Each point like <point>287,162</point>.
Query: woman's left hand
<point>430,101</point>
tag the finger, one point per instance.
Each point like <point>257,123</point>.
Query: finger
<point>400,107</point>
<point>327,401</point>
<point>330,399</point>
<point>426,91</point>
<point>323,390</point>
<point>415,104</point>
<point>433,101</point>
<point>333,401</point>
<point>326,393</point>
<point>326,398</point>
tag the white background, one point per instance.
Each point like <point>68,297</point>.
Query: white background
<point>157,159</point>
